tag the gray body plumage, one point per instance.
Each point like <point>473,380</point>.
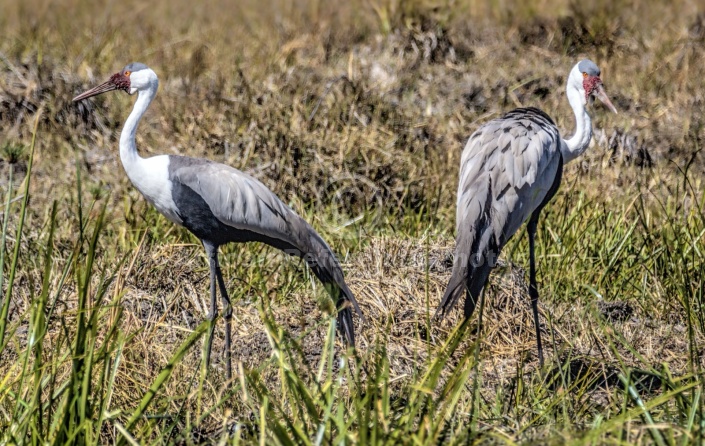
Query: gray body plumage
<point>220,204</point>
<point>510,168</point>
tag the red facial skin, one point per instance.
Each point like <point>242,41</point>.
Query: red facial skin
<point>121,81</point>
<point>589,85</point>
<point>118,81</point>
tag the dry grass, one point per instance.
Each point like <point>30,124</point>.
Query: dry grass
<point>356,115</point>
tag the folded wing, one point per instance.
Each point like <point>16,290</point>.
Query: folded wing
<point>507,168</point>
<point>249,211</point>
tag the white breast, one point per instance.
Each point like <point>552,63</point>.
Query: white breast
<point>151,177</point>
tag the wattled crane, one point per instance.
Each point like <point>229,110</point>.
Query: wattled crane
<point>219,205</point>
<point>510,169</point>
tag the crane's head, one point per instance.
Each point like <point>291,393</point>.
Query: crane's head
<point>131,79</point>
<point>585,78</point>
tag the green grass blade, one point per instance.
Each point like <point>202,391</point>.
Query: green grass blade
<point>164,375</point>
<point>18,237</point>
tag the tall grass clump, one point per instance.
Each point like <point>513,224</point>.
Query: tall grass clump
<point>60,385</point>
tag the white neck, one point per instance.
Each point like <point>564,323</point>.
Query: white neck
<point>579,142</point>
<point>149,175</point>
<point>128,146</point>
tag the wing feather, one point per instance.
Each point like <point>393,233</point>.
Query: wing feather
<point>517,154</point>
<point>241,202</point>
<point>507,169</point>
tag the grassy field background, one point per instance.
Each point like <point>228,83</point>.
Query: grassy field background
<point>355,114</point>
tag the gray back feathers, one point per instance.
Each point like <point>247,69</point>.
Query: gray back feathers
<point>507,169</point>
<point>237,199</point>
<point>242,204</point>
<point>507,155</point>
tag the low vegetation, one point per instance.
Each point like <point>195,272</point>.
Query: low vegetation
<point>355,114</point>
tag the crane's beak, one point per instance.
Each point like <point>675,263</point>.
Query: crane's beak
<point>600,94</point>
<point>95,91</point>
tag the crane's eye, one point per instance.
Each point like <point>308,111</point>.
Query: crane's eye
<point>585,75</point>
<point>127,73</point>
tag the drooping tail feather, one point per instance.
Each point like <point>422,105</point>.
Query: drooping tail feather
<point>345,325</point>
<point>334,283</point>
<point>326,267</point>
<point>470,280</point>
<point>454,290</point>
<point>476,250</point>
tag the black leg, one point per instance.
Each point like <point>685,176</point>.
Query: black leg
<point>533,288</point>
<point>228,313</point>
<point>213,313</point>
